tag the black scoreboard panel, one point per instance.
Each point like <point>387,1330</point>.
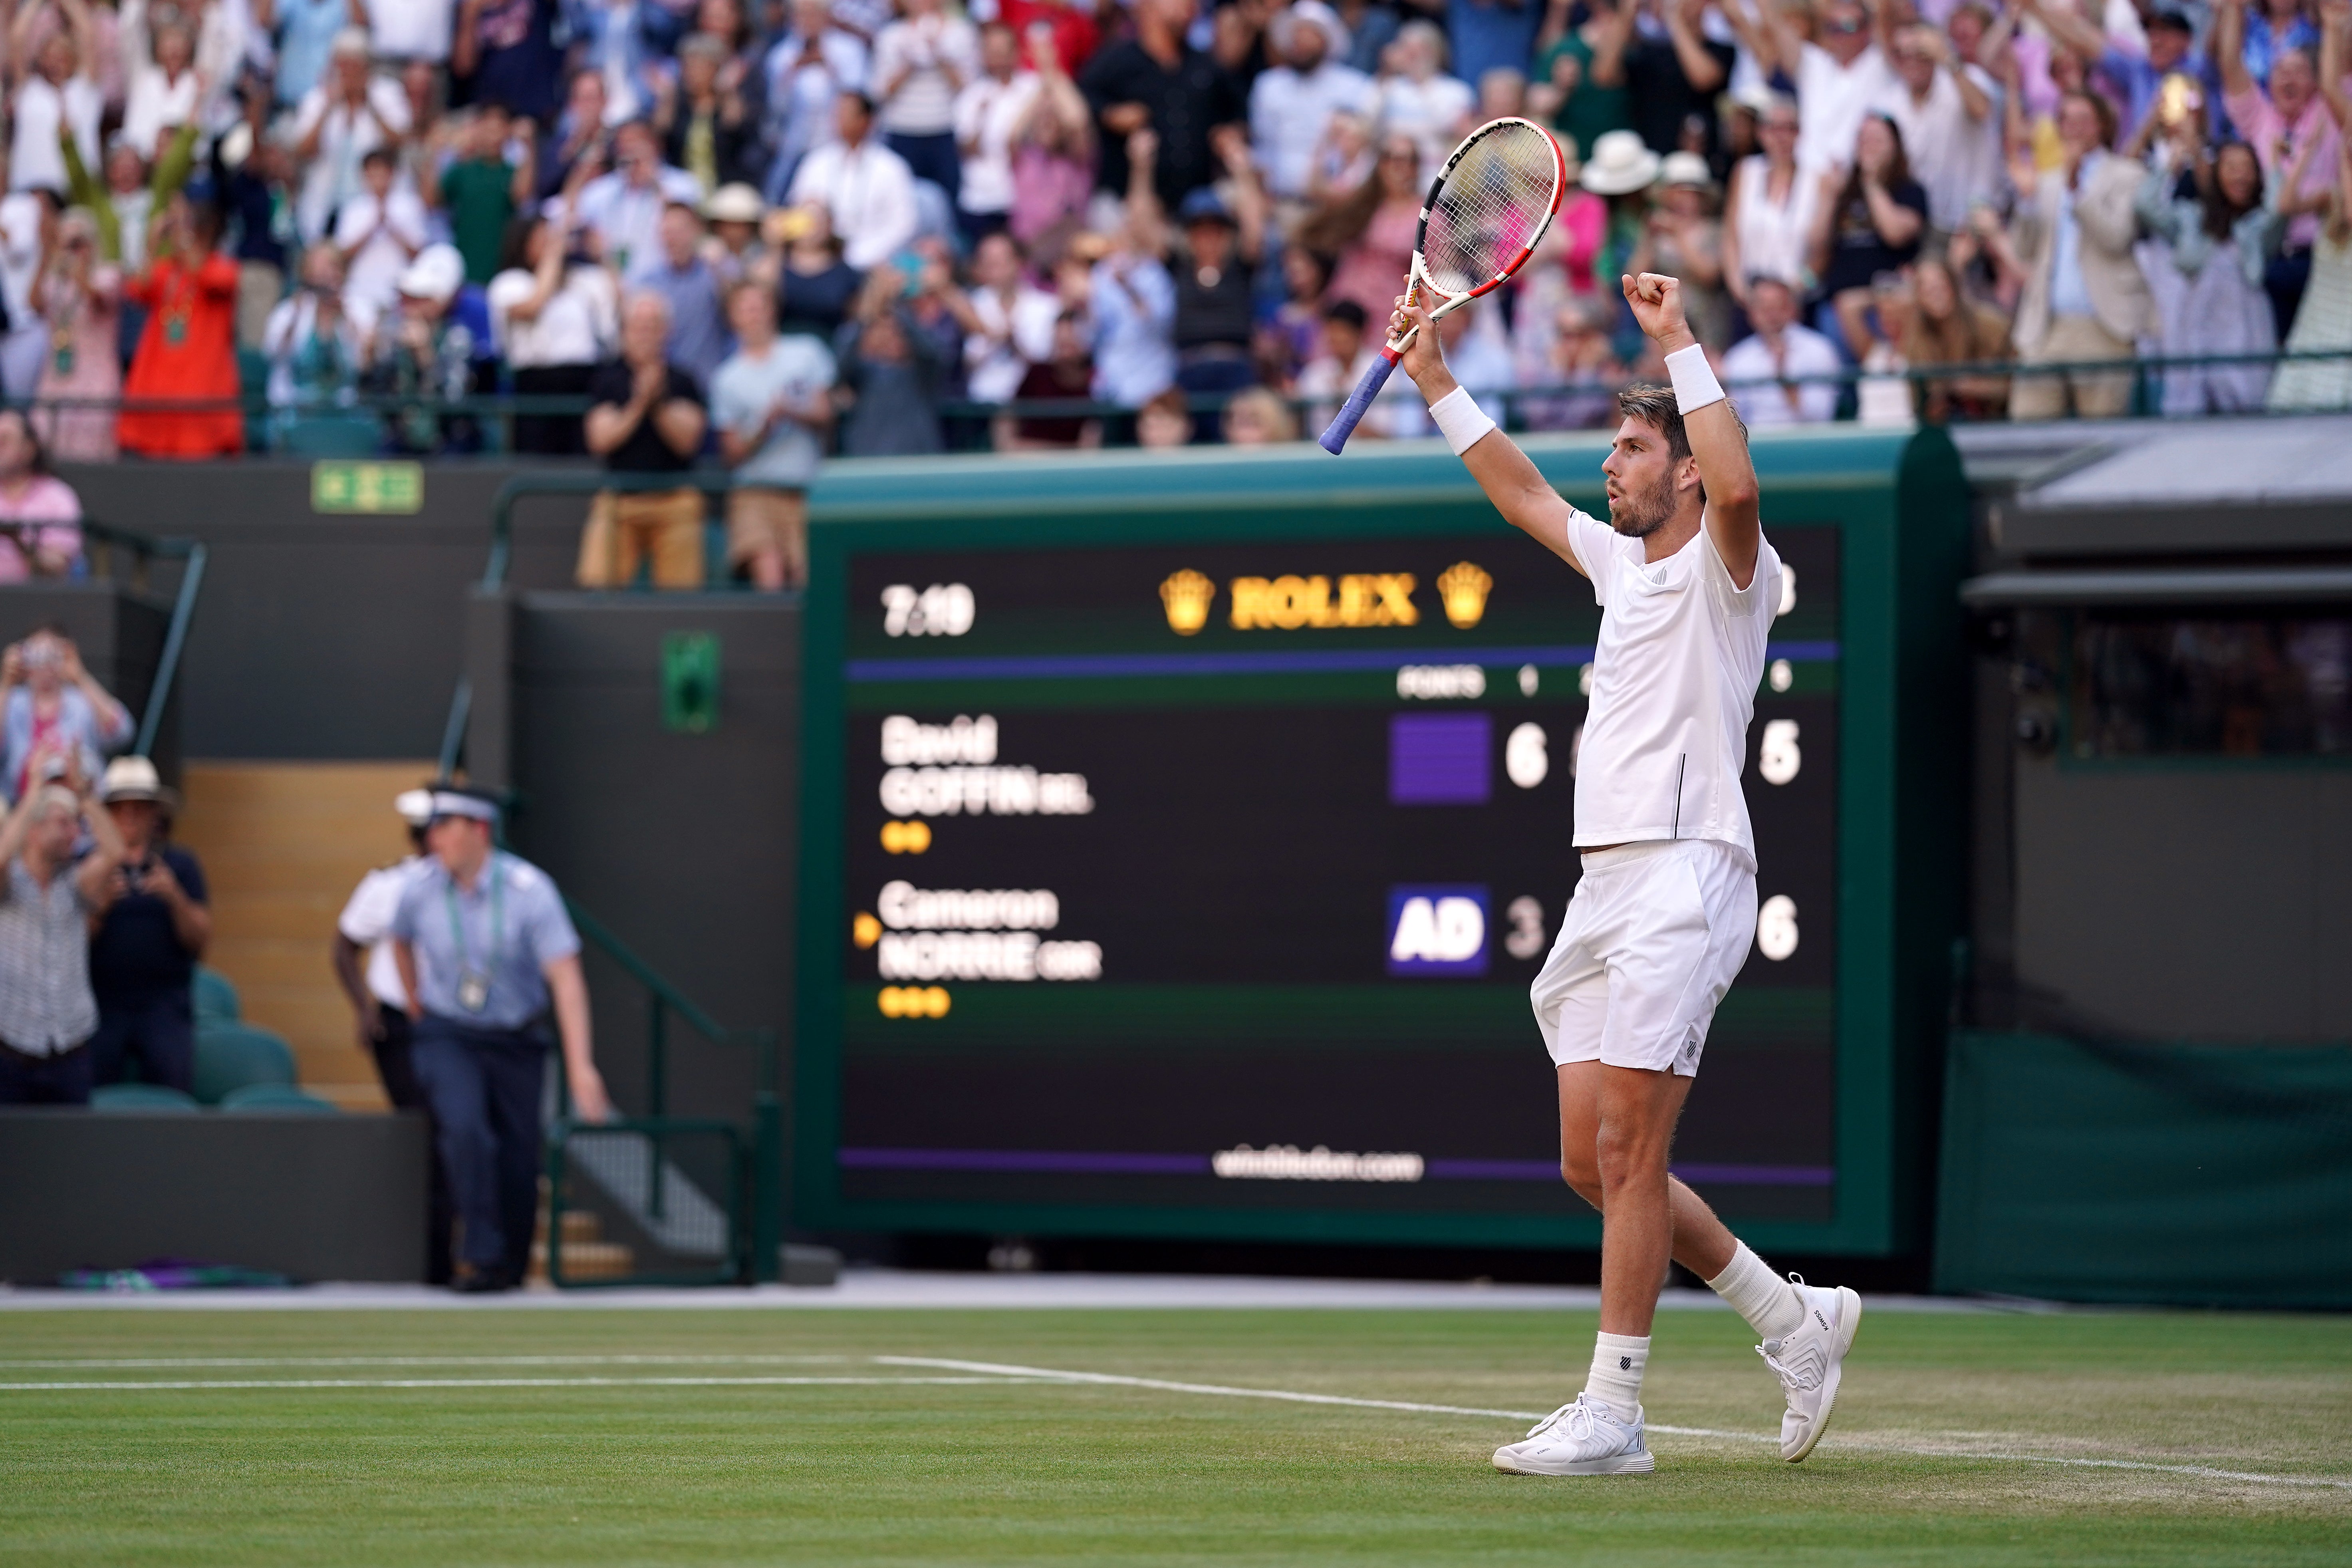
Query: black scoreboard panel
<point>1209,879</point>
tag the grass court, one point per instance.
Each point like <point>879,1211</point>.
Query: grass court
<point>753,1435</point>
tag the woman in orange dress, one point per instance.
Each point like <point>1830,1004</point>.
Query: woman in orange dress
<point>188,349</point>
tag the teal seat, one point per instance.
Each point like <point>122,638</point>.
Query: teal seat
<point>278,1099</point>
<point>215,998</point>
<point>231,1056</point>
<point>140,1097</point>
<point>331,436</point>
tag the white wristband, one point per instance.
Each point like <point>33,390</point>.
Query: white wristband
<point>1460,419</point>
<point>1694,378</point>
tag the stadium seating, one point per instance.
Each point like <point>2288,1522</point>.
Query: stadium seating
<point>141,1097</point>
<point>215,998</point>
<point>276,1098</point>
<point>230,1056</point>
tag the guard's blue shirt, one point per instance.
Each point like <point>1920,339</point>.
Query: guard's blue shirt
<point>506,928</point>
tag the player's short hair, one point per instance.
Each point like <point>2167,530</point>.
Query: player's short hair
<point>1655,406</point>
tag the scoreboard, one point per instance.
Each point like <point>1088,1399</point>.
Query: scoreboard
<point>1177,863</point>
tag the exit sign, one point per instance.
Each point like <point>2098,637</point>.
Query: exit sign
<point>347,486</point>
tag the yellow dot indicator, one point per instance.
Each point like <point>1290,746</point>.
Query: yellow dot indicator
<point>913,1001</point>
<point>906,837</point>
<point>865,931</point>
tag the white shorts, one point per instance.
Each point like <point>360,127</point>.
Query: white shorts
<point>1654,937</point>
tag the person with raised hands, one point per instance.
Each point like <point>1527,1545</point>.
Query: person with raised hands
<point>1664,913</point>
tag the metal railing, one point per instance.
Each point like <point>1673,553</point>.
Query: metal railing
<point>102,540</point>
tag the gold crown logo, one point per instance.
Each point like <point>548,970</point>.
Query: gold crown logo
<point>1186,595</point>
<point>1464,587</point>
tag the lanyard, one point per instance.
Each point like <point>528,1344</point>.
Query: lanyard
<point>497,919</point>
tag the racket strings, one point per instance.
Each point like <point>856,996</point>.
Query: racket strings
<point>1489,207</point>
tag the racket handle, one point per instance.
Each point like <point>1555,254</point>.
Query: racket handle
<point>1343,424</point>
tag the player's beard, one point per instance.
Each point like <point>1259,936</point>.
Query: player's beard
<point>1639,514</point>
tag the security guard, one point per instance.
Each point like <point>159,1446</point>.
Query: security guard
<point>483,947</point>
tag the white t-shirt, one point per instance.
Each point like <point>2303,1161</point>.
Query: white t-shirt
<point>34,161</point>
<point>746,386</point>
<point>580,323</point>
<point>1834,98</point>
<point>1956,158</point>
<point>333,176</point>
<point>372,277</point>
<point>1674,686</point>
<point>366,919</point>
<point>1289,114</point>
<point>914,55</point>
<point>995,361</point>
<point>987,114</point>
<point>870,193</point>
<point>1803,352</point>
<point>410,29</point>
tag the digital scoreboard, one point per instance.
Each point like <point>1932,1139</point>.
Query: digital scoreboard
<point>1173,870</point>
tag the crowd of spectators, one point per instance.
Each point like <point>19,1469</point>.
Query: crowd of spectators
<point>1133,209</point>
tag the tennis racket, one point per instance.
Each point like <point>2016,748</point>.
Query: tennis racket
<point>1483,215</point>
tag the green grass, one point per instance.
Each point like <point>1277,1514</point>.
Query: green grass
<point>1005,1472</point>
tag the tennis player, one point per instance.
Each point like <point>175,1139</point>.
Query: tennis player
<point>1665,913</point>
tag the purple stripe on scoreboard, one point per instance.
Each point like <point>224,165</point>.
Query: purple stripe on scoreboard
<point>1050,1161</point>
<point>1441,759</point>
<point>1698,1176</point>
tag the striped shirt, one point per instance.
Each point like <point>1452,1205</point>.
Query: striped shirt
<point>46,1006</point>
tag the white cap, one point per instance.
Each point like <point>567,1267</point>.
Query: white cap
<point>462,803</point>
<point>436,274</point>
<point>414,806</point>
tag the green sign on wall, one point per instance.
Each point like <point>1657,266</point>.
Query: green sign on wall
<point>338,485</point>
<point>690,681</point>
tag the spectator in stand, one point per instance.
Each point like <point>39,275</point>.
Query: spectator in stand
<point>406,30</point>
<point>1256,417</point>
<point>485,952</point>
<point>699,339</point>
<point>1419,100</point>
<point>2324,325</point>
<point>891,370</point>
<point>380,1004</point>
<point>254,171</point>
<point>1291,106</point>
<point>422,353</point>
<point>621,210</point>
<point>1682,238</point>
<point>347,115</point>
<point>1347,352</point>
<point>1490,33</point>
<point>736,249</point>
<point>379,231</point>
<point>809,67</point>
<point>143,952</point>
<point>1949,113</point>
<point>316,351</point>
<point>1157,80</point>
<point>865,188</point>
<point>52,704</point>
<point>2288,115</point>
<point>305,32</point>
<point>2274,29</point>
<point>773,405</point>
<point>1580,77</point>
<point>1067,373</point>
<point>1054,148</point>
<point>646,416</point>
<point>2139,69</point>
<point>40,516</point>
<point>1583,360</point>
<point>1768,229</point>
<point>1164,421</point>
<point>921,62</point>
<point>1839,74</point>
<point>480,190</point>
<point>1765,371</point>
<point>577,137</point>
<point>187,352</point>
<point>504,52</point>
<point>1008,322</point>
<point>46,902</point>
<point>1620,172</point>
<point>707,128</point>
<point>2204,261</point>
<point>1371,229</point>
<point>164,82</point>
<point>1870,222</point>
<point>2085,298</point>
<point>1292,334</point>
<point>1213,263</point>
<point>1133,301</point>
<point>557,316</point>
<point>1672,72</point>
<point>815,287</point>
<point>79,299</point>
<point>1937,324</point>
<point>59,95</point>
<point>989,113</point>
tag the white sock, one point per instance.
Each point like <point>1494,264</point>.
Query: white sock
<point>1770,1303</point>
<point>1617,1361</point>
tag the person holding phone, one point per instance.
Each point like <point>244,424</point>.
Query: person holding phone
<point>143,952</point>
<point>49,702</point>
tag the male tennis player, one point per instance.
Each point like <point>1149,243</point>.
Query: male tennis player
<point>1663,915</point>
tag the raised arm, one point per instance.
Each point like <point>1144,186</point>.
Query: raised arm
<point>1512,483</point>
<point>2230,47</point>
<point>1725,472</point>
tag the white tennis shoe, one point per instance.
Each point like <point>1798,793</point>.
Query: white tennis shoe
<point>1583,1437</point>
<point>1810,1360</point>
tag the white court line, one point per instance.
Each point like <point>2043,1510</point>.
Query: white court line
<point>129,1384</point>
<point>2205,1471</point>
<point>93,1363</point>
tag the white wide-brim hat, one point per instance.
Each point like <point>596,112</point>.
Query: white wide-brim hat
<point>1620,164</point>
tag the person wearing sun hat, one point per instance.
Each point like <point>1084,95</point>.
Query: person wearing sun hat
<point>1682,238</point>
<point>1620,170</point>
<point>143,952</point>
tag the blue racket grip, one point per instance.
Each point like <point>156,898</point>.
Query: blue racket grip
<point>1344,423</point>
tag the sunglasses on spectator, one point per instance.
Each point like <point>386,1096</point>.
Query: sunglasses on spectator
<point>1850,24</point>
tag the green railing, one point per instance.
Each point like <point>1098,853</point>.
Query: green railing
<point>100,541</point>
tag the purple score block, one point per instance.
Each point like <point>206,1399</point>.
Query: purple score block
<point>1441,759</point>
